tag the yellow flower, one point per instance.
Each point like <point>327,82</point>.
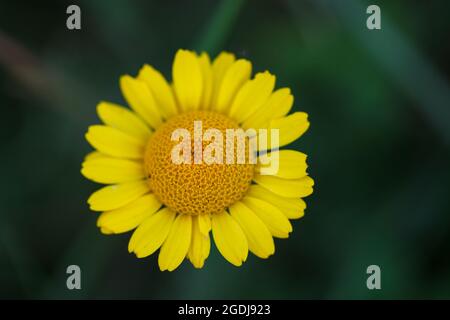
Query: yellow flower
<point>174,207</point>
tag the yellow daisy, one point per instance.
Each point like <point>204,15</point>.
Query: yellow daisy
<point>175,207</point>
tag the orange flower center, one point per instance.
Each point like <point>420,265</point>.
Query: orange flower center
<point>196,188</point>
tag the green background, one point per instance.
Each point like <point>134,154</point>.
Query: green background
<point>378,145</point>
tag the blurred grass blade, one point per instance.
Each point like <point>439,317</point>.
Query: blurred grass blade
<point>54,88</point>
<point>25,68</point>
<point>219,27</point>
<point>401,61</point>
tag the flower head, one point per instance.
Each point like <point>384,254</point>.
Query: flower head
<point>175,170</point>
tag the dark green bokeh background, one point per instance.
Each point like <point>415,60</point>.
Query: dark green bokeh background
<point>378,146</point>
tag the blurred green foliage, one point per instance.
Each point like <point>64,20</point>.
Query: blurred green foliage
<point>378,146</point>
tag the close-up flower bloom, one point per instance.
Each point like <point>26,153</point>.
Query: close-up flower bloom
<point>224,150</point>
<point>176,208</point>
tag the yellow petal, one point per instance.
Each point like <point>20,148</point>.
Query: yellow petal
<point>233,80</point>
<point>219,68</point>
<point>115,143</point>
<point>112,170</point>
<point>290,128</point>
<point>200,245</point>
<point>187,80</point>
<point>291,164</point>
<point>176,246</point>
<point>229,238</point>
<point>130,216</point>
<point>252,96</point>
<point>115,196</point>
<point>204,222</point>
<point>297,188</point>
<point>278,105</point>
<point>106,231</point>
<point>207,77</point>
<point>151,233</point>
<point>140,99</point>
<point>292,208</point>
<point>260,241</point>
<point>277,223</point>
<point>123,119</point>
<point>161,91</point>
<point>95,155</point>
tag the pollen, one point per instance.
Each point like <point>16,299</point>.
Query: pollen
<point>195,188</point>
